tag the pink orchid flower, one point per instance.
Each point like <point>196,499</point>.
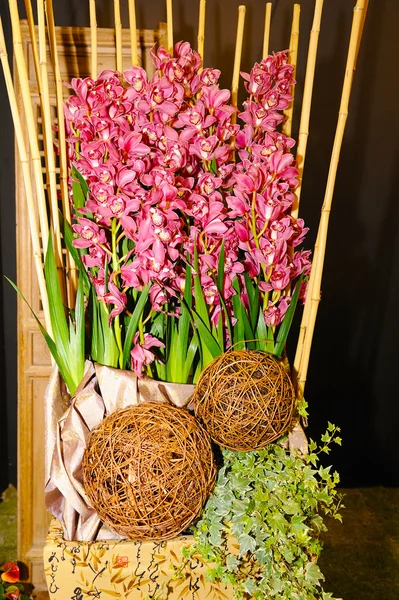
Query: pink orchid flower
<point>141,354</point>
<point>89,232</point>
<point>117,298</point>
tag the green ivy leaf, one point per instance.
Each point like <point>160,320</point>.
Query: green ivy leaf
<point>232,562</point>
<point>253,499</point>
<point>313,574</point>
<point>250,586</point>
<point>247,543</point>
<point>277,521</point>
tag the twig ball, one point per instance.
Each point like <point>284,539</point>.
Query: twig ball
<point>244,399</point>
<point>148,470</point>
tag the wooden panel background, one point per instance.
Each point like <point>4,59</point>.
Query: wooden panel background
<point>34,364</point>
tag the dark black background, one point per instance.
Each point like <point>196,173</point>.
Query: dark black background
<point>353,372</point>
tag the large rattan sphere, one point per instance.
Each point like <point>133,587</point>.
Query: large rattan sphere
<point>148,470</point>
<point>245,399</point>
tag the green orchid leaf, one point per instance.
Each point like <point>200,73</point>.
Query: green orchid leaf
<point>264,335</point>
<point>253,300</point>
<point>287,321</point>
<point>83,183</point>
<point>200,304</point>
<point>221,266</point>
<point>189,360</point>
<point>238,328</point>
<point>182,339</point>
<point>80,189</point>
<point>62,366</point>
<point>210,346</point>
<point>97,349</point>
<point>77,333</point>
<point>188,290</point>
<point>68,238</point>
<point>56,305</point>
<point>110,350</point>
<point>214,167</point>
<point>241,314</point>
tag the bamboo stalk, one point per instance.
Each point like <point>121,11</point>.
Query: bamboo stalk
<point>36,62</point>
<point>237,57</point>
<point>307,102</point>
<point>93,36</point>
<point>23,159</point>
<point>47,133</point>
<point>301,363</point>
<point>71,277</point>
<point>32,33</point>
<point>169,25</point>
<point>201,31</point>
<point>118,35</point>
<point>266,34</point>
<point>30,120</point>
<point>133,32</point>
<point>293,55</point>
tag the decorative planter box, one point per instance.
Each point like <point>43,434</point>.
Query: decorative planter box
<point>124,569</point>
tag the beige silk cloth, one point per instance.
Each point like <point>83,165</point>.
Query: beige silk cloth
<point>68,424</point>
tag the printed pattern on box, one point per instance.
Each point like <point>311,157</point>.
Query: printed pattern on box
<point>125,569</point>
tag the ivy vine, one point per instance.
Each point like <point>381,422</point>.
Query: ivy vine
<point>260,529</point>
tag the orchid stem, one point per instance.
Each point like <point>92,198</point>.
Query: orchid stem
<point>141,330</point>
<point>115,264</point>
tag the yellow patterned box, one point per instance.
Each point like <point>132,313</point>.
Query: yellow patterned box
<point>124,569</point>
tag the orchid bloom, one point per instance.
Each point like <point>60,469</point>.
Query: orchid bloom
<point>169,173</point>
<point>141,353</point>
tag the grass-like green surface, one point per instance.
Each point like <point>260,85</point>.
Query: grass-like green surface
<point>8,526</point>
<point>360,559</point>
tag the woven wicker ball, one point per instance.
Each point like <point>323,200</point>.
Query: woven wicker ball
<point>245,399</point>
<point>148,470</point>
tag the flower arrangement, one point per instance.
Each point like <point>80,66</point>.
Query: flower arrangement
<point>184,237</point>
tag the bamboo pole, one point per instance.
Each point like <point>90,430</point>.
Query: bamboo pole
<point>30,120</point>
<point>36,62</point>
<point>201,31</point>
<point>71,276</point>
<point>307,102</point>
<point>32,33</point>
<point>23,159</point>
<point>133,32</point>
<point>266,34</point>
<point>293,56</point>
<point>169,25</point>
<point>47,133</point>
<point>301,362</point>
<point>118,35</point>
<point>237,57</point>
<point>93,36</point>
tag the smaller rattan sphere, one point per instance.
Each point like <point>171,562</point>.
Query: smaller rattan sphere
<point>245,399</point>
<point>148,470</point>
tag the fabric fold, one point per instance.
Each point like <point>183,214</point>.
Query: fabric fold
<point>68,424</point>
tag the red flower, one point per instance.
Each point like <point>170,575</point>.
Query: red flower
<point>10,572</point>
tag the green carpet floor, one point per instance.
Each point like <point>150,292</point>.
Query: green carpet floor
<point>360,558</point>
<point>8,526</point>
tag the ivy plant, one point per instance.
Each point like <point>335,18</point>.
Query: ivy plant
<point>260,529</point>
